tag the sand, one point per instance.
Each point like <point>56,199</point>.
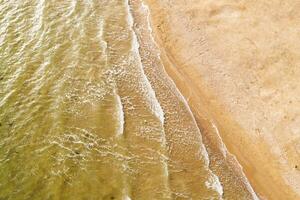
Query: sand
<point>237,65</point>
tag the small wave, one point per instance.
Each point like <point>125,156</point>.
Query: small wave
<point>120,116</point>
<point>153,102</point>
<point>214,183</point>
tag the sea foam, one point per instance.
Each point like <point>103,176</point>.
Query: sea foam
<point>150,94</point>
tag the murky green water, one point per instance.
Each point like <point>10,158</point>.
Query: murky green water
<point>78,117</point>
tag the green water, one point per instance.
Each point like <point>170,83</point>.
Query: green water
<point>78,117</point>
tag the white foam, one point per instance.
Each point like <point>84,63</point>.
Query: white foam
<point>222,147</point>
<point>150,94</point>
<point>126,198</point>
<point>120,116</point>
<point>103,43</point>
<point>146,10</point>
<point>225,153</point>
<point>214,183</point>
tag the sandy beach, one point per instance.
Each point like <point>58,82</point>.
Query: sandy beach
<point>237,65</point>
<point>149,100</point>
<point>234,184</point>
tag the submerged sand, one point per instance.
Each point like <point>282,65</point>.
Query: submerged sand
<point>237,64</point>
<point>87,112</point>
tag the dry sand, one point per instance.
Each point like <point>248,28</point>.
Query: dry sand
<point>237,64</point>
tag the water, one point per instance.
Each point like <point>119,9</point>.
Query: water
<point>79,118</point>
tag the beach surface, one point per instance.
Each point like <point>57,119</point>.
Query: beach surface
<point>237,65</point>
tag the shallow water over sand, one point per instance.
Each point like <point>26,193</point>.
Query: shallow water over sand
<point>79,118</point>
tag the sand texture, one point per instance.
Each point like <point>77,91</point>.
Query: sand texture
<point>237,64</point>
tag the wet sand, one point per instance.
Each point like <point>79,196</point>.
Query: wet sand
<point>234,184</point>
<point>237,64</point>
<point>189,176</point>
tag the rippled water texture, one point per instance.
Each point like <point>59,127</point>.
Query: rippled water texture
<point>78,117</point>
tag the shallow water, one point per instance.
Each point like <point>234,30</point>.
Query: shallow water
<point>78,116</point>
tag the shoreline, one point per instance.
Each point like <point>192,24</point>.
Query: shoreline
<point>185,154</point>
<point>222,163</point>
<point>261,166</point>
